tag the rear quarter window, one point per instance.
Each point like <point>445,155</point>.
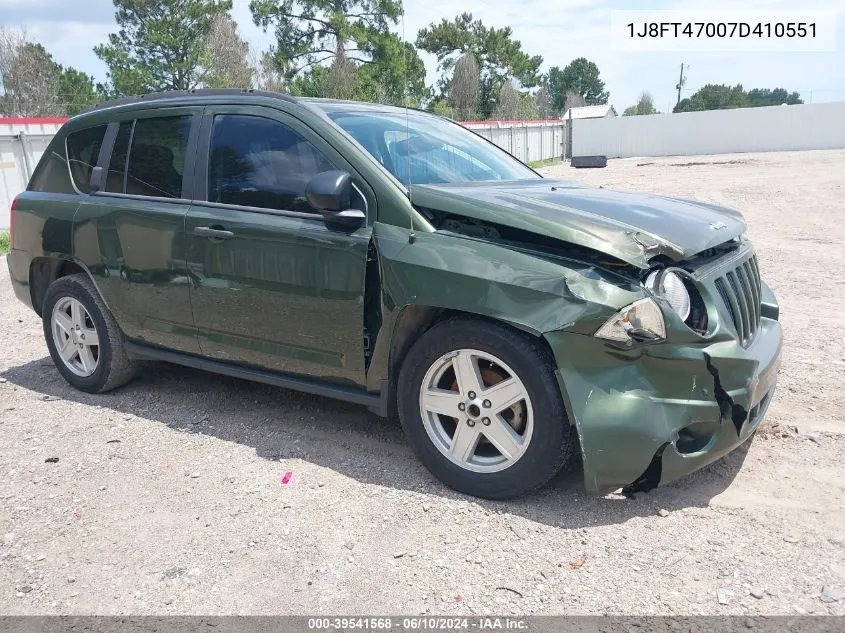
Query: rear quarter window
<point>52,175</point>
<point>83,150</point>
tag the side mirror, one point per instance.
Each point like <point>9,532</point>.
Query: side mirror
<point>331,193</point>
<point>97,182</point>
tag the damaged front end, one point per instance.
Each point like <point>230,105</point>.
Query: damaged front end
<point>650,411</point>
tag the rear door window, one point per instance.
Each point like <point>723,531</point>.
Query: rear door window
<point>157,157</point>
<point>83,150</point>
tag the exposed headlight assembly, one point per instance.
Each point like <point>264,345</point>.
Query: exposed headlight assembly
<point>669,285</point>
<point>641,321</point>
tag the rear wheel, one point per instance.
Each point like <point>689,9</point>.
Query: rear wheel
<point>84,340</point>
<point>482,409</point>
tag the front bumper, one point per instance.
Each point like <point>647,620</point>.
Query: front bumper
<point>648,415</point>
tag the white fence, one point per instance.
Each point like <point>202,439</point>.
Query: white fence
<point>527,140</point>
<point>22,141</point>
<point>769,129</point>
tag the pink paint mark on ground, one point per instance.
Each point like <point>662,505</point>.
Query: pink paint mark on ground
<point>287,476</point>
<point>459,598</point>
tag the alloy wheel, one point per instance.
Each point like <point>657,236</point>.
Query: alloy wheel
<point>75,336</point>
<point>476,411</point>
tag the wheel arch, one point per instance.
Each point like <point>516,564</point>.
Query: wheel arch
<point>410,323</point>
<point>43,271</point>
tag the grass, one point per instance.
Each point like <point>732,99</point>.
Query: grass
<point>535,164</point>
<point>4,242</point>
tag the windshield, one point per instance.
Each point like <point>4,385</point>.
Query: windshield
<point>434,149</point>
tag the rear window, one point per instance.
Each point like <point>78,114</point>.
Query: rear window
<point>157,157</point>
<point>83,150</point>
<point>52,174</point>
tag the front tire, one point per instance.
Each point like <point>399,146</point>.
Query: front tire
<point>84,340</point>
<point>482,410</point>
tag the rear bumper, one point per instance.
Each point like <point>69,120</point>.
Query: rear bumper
<point>647,416</point>
<point>18,262</point>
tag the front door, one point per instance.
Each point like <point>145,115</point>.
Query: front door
<point>272,286</point>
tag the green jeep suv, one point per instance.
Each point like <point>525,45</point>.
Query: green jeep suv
<point>394,259</point>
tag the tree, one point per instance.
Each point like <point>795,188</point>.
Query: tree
<point>645,105</point>
<point>557,89</point>
<point>160,44</point>
<point>528,107</point>
<point>227,56</point>
<point>395,74</point>
<point>463,87</point>
<point>765,97</point>
<point>507,103</point>
<point>543,103</point>
<point>267,77</point>
<point>714,97</point>
<point>310,33</point>
<point>499,57</point>
<point>29,76</point>
<point>581,77</point>
<point>382,79</point>
<point>77,91</point>
<point>35,85</point>
<point>573,100</point>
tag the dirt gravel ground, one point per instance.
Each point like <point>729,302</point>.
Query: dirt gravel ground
<point>166,497</point>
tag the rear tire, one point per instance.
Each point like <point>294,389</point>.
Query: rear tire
<point>478,447</point>
<point>84,340</point>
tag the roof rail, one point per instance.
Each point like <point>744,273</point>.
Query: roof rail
<point>197,92</point>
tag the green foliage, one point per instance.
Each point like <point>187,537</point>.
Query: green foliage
<point>722,97</point>
<point>764,97</point>
<point>394,65</point>
<point>645,105</point>
<point>160,44</point>
<point>343,49</point>
<point>500,57</point>
<point>35,85</point>
<point>4,242</point>
<point>557,90</point>
<point>581,77</point>
<point>380,80</point>
<point>78,91</point>
<point>439,105</point>
<point>312,32</point>
<point>537,164</point>
<point>714,97</point>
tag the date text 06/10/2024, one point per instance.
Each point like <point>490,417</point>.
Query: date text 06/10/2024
<point>417,623</point>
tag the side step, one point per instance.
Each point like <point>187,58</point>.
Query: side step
<point>377,403</point>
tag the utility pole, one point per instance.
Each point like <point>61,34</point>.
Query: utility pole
<point>680,85</point>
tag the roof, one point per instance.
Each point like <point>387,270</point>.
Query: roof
<point>590,112</point>
<point>189,94</point>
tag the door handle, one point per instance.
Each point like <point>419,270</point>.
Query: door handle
<point>213,233</point>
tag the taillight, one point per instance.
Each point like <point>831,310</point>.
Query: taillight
<point>12,223</point>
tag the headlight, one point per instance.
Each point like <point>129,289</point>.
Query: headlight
<point>640,321</point>
<point>670,286</point>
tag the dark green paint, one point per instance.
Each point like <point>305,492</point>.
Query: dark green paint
<point>288,294</point>
<point>612,222</point>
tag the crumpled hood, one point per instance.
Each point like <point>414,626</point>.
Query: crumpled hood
<point>633,227</point>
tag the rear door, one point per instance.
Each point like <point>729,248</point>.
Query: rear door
<point>131,235</point>
<point>273,286</point>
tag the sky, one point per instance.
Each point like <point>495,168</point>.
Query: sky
<point>559,30</point>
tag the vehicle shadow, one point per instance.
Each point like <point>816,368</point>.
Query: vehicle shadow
<point>280,424</point>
